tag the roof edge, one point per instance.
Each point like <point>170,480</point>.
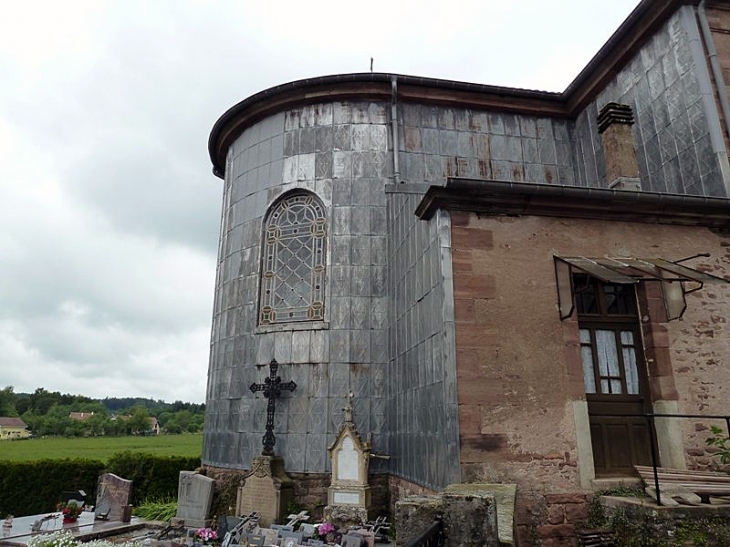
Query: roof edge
<point>531,199</point>
<point>610,58</point>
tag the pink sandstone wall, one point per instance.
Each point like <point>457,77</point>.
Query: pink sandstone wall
<point>518,364</point>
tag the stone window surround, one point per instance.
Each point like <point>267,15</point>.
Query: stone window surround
<point>318,324</point>
<point>663,393</point>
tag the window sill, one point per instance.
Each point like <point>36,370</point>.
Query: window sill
<point>284,327</point>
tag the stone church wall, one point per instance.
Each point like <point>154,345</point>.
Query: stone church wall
<point>518,377</point>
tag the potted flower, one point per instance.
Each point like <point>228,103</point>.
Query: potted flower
<point>205,536</point>
<point>70,510</point>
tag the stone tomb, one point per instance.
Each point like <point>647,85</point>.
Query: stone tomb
<point>194,498</point>
<point>266,489</point>
<point>112,498</point>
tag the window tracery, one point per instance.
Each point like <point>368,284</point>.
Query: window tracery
<point>294,261</point>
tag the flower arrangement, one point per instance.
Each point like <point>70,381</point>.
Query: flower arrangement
<point>205,535</point>
<point>69,510</point>
<point>66,539</point>
<point>326,531</point>
<point>54,539</point>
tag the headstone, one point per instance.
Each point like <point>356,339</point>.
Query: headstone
<point>309,530</point>
<point>194,498</point>
<point>256,540</point>
<point>270,535</point>
<point>266,489</point>
<point>297,536</point>
<point>348,497</point>
<point>112,497</point>
<point>353,540</point>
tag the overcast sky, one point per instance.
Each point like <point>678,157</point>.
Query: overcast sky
<point>109,212</point>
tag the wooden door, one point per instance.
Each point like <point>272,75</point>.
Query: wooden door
<point>614,375</point>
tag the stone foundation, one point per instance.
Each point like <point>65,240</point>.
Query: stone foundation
<point>310,490</point>
<point>401,488</point>
<point>549,520</point>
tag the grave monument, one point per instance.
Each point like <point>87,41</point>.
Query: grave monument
<point>348,497</point>
<point>112,498</point>
<point>194,498</point>
<point>266,487</point>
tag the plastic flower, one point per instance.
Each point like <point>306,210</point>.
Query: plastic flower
<point>325,528</point>
<point>70,509</point>
<point>206,534</point>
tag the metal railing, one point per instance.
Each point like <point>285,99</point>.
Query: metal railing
<point>650,420</point>
<point>433,536</point>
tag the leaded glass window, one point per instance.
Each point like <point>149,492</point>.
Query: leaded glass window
<point>293,262</point>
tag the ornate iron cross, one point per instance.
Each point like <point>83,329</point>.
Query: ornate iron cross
<point>271,388</point>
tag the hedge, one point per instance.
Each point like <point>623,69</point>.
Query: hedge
<point>30,488</point>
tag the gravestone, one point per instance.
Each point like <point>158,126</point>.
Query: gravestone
<point>112,497</point>
<point>348,497</point>
<point>194,498</point>
<point>266,489</point>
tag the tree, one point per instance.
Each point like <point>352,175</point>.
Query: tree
<point>139,421</point>
<point>7,402</point>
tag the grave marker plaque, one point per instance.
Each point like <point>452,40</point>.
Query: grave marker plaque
<point>194,498</point>
<point>112,497</point>
<point>267,489</point>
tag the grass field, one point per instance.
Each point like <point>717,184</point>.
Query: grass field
<point>100,448</point>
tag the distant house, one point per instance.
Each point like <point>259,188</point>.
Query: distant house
<point>80,416</point>
<point>13,428</point>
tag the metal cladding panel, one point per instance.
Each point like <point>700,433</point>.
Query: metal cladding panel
<point>423,450</point>
<point>664,86</point>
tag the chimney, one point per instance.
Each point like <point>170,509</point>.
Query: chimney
<point>614,125</point>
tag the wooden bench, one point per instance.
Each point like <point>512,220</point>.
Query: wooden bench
<point>702,483</point>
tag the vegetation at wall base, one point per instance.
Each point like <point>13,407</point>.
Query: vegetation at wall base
<point>649,531</point>
<point>721,442</point>
<point>161,509</point>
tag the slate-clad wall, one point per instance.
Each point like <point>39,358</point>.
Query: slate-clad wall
<point>667,85</point>
<point>440,142</point>
<point>422,410</point>
<point>340,152</point>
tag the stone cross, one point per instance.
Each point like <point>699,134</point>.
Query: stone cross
<point>271,387</point>
<point>348,410</point>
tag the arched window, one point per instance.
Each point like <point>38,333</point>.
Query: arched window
<point>293,262</point>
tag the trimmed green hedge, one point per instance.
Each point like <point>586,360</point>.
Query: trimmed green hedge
<point>29,488</point>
